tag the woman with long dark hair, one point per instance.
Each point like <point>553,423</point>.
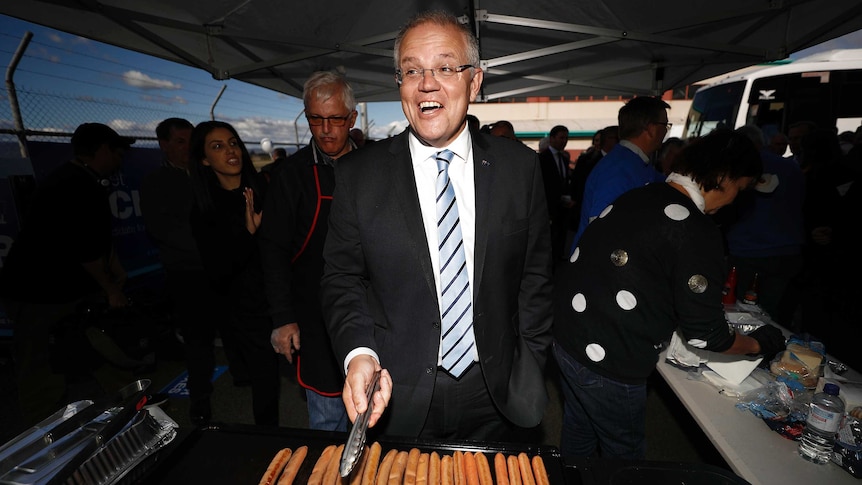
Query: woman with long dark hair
<point>228,195</point>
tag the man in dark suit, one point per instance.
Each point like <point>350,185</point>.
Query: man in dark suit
<point>382,287</point>
<point>555,173</point>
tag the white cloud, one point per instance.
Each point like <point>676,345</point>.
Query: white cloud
<point>140,80</point>
<point>165,99</point>
<point>391,129</point>
<point>122,125</point>
<point>281,132</point>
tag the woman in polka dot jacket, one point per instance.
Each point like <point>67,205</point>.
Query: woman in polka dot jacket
<point>652,262</point>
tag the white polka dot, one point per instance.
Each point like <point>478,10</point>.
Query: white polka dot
<point>574,256</point>
<point>676,212</point>
<point>697,343</point>
<point>626,300</point>
<point>606,211</point>
<point>579,303</point>
<point>595,352</point>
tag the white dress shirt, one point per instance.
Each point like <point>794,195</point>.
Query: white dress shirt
<point>461,177</point>
<point>462,180</point>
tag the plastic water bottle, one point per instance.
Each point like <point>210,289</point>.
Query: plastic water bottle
<point>824,419</point>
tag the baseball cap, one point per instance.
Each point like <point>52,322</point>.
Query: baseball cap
<point>89,136</point>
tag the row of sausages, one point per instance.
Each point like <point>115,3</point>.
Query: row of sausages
<point>411,467</point>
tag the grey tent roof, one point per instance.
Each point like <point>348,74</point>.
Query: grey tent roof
<point>528,48</point>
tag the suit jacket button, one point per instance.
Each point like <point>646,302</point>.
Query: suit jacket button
<point>429,370</point>
<point>435,324</point>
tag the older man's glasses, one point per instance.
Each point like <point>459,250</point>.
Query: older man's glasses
<point>315,120</point>
<point>417,73</point>
<point>665,123</point>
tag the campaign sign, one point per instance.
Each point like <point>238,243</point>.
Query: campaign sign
<point>136,251</point>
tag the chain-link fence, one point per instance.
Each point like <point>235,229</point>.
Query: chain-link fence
<point>50,116</point>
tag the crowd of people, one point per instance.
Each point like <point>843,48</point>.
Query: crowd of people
<point>451,259</point>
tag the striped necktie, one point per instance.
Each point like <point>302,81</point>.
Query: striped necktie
<point>457,299</point>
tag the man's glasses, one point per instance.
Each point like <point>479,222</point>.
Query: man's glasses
<point>315,120</point>
<point>415,74</point>
<point>665,123</point>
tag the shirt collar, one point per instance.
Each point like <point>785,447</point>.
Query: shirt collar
<point>631,146</point>
<point>321,158</point>
<point>460,147</point>
<point>691,187</point>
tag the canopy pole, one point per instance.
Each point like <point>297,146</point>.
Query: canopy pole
<point>13,95</point>
<point>215,102</point>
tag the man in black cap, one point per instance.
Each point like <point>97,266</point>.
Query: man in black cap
<point>62,255</point>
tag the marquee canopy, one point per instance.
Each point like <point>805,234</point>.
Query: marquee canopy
<point>528,48</point>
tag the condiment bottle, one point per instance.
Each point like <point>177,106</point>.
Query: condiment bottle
<point>729,292</point>
<point>751,295</point>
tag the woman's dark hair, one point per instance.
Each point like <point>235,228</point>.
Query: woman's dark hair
<point>203,178</point>
<point>716,156</point>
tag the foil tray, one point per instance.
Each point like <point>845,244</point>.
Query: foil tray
<point>87,442</point>
<point>149,431</point>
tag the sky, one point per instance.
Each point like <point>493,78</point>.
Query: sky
<point>71,66</point>
<point>67,65</point>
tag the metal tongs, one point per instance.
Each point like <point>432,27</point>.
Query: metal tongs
<point>356,439</point>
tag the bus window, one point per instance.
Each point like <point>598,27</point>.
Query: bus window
<point>823,89</point>
<point>714,107</point>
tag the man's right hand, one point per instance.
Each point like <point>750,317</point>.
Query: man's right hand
<point>360,371</point>
<point>285,340</point>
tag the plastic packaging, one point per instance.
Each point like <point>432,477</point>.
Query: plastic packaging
<point>824,420</point>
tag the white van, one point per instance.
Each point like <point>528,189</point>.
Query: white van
<point>825,88</point>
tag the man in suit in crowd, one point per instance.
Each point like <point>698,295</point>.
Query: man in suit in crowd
<point>608,137</point>
<point>642,127</point>
<point>386,293</point>
<point>292,232</point>
<point>555,173</point>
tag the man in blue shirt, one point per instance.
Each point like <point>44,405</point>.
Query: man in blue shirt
<point>643,126</point>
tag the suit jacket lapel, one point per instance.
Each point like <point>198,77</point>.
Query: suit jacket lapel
<point>483,172</point>
<point>407,198</point>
